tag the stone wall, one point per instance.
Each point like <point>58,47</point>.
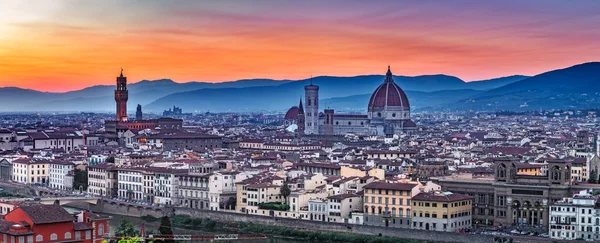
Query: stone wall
<point>299,224</point>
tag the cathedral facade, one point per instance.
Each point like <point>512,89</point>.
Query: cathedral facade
<point>388,113</point>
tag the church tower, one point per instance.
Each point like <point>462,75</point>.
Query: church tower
<point>121,97</point>
<point>138,113</point>
<point>311,94</point>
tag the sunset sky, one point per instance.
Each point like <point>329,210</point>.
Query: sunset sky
<point>64,45</point>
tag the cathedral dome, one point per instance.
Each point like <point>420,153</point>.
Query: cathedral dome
<point>292,113</point>
<point>388,94</point>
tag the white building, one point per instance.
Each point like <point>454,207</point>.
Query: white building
<point>57,172</point>
<point>341,206</point>
<point>317,210</point>
<point>130,184</point>
<point>164,186</point>
<point>221,188</point>
<point>575,218</point>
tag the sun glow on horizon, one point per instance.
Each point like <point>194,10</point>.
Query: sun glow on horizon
<point>68,45</point>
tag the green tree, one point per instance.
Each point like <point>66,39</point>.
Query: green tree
<point>110,160</point>
<point>285,191</point>
<point>80,180</point>
<point>165,226</point>
<point>593,177</point>
<point>126,229</point>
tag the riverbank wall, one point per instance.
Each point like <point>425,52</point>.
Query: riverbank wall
<point>298,224</point>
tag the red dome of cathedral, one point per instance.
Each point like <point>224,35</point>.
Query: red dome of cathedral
<point>388,94</point>
<point>292,113</point>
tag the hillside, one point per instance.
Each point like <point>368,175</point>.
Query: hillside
<point>573,87</point>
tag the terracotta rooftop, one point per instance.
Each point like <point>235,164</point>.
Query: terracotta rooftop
<point>47,214</point>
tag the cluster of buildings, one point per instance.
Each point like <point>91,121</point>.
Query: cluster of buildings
<point>389,168</point>
<point>51,223</point>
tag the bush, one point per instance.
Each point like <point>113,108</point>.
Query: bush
<point>274,206</point>
<point>313,236</point>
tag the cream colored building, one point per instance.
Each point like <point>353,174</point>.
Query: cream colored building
<point>298,200</point>
<point>102,180</point>
<point>388,204</point>
<point>441,211</point>
<point>30,171</point>
<point>346,171</point>
<point>340,208</point>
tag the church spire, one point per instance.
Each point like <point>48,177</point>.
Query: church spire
<point>388,76</point>
<point>121,72</point>
<point>300,107</point>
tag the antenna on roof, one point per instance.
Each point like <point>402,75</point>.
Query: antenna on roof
<point>311,77</point>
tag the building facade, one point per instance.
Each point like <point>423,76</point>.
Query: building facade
<point>30,171</point>
<point>388,204</point>
<point>577,217</point>
<point>512,199</point>
<point>58,171</point>
<point>388,113</point>
<point>439,211</point>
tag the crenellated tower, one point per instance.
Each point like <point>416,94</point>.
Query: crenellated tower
<point>121,97</point>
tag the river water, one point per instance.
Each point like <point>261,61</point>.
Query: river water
<point>153,226</point>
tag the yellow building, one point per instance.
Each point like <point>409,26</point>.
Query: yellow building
<point>441,211</point>
<point>346,171</point>
<point>579,170</point>
<point>529,169</point>
<point>388,204</point>
<point>30,171</point>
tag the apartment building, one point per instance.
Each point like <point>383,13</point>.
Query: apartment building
<point>192,191</point>
<point>130,183</point>
<point>30,171</point>
<point>222,189</point>
<point>340,207</point>
<point>441,211</point>
<point>58,171</point>
<point>577,217</point>
<point>102,180</point>
<point>388,204</point>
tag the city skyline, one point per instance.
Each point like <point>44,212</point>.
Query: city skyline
<point>69,45</point>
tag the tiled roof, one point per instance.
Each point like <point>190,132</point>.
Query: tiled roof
<point>441,197</point>
<point>78,226</point>
<point>390,186</point>
<point>47,214</point>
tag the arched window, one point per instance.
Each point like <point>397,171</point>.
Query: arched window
<point>53,236</point>
<point>39,238</point>
<point>68,235</point>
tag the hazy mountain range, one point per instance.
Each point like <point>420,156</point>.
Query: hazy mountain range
<point>573,87</point>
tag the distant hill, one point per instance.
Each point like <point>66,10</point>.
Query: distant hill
<point>284,96</point>
<point>100,97</point>
<point>418,100</point>
<point>573,87</point>
<point>494,83</point>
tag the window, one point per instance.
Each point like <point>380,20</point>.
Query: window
<point>88,234</point>
<point>53,236</point>
<point>68,235</point>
